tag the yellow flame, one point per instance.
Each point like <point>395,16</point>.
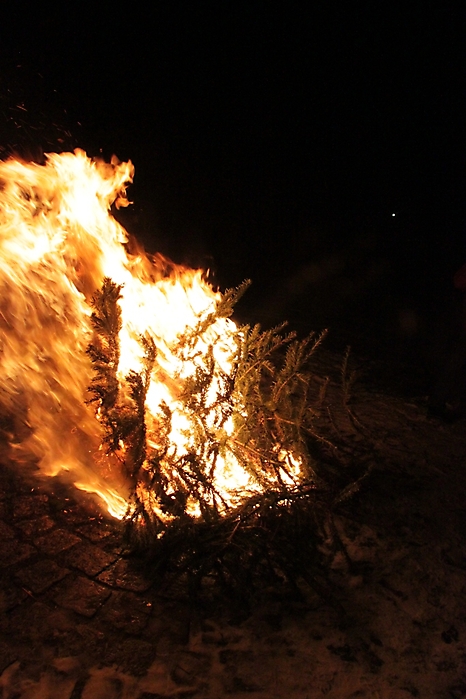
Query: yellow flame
<point>58,241</point>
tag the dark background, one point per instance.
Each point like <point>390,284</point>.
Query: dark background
<point>271,141</point>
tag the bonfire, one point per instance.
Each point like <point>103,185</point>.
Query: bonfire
<point>125,373</point>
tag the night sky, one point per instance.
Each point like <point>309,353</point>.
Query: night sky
<point>270,142</point>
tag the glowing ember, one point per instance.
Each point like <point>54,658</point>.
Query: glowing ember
<point>58,243</point>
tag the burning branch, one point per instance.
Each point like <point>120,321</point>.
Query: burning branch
<point>252,415</point>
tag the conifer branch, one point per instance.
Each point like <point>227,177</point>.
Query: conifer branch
<point>104,350</point>
<point>265,395</point>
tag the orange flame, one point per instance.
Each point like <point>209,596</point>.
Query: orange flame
<point>58,241</point>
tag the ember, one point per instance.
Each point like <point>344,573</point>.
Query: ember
<point>125,370</point>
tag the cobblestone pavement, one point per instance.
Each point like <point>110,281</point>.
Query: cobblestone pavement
<point>80,620</point>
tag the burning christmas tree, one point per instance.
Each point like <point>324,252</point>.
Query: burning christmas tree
<point>126,372</point>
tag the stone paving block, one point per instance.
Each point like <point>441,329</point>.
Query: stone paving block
<point>13,551</point>
<point>40,525</point>
<point>78,640</point>
<point>127,612</point>
<point>28,506</point>
<point>57,541</point>
<point>124,576</point>
<point>82,596</point>
<point>88,558</point>
<point>96,531</point>
<point>77,514</point>
<point>40,576</point>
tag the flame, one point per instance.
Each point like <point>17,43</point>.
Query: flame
<point>58,242</point>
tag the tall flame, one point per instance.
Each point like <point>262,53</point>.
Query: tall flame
<point>58,242</point>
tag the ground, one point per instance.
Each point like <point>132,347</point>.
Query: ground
<point>80,621</point>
